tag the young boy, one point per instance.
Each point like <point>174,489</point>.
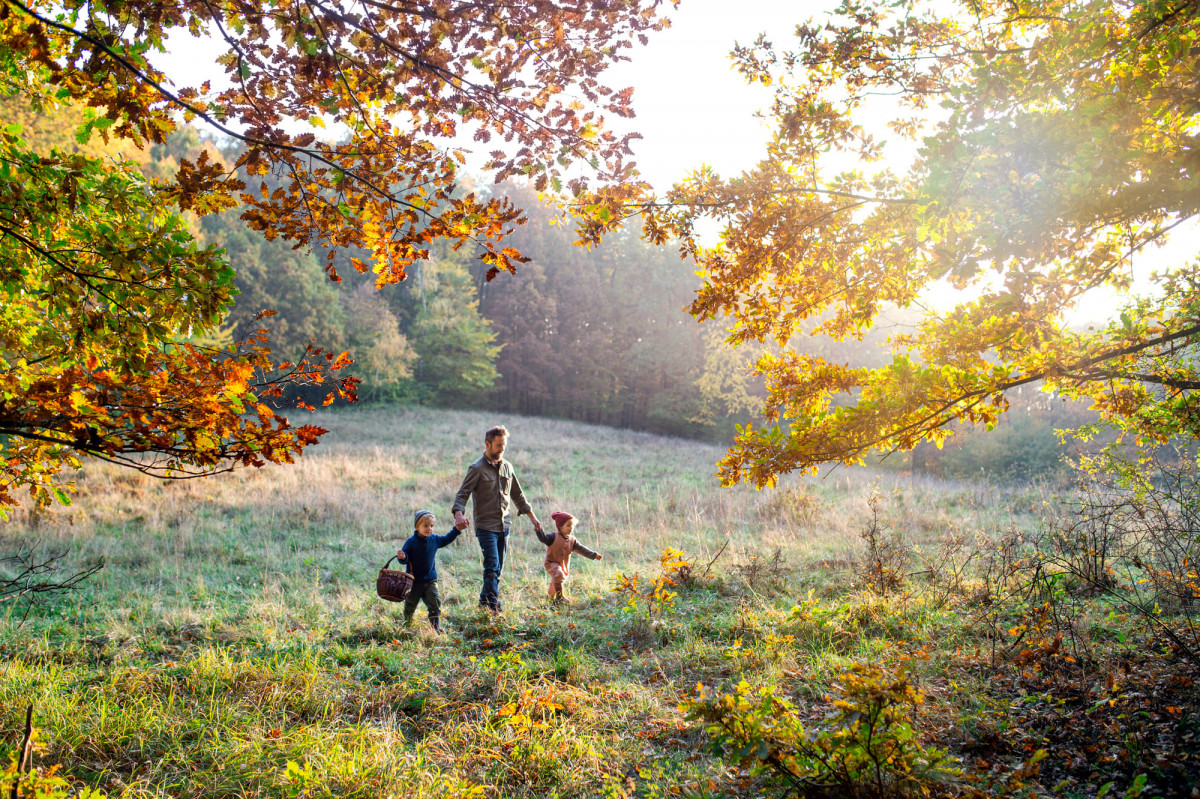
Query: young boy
<point>420,554</point>
<point>559,546</point>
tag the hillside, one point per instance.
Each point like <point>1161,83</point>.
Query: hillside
<point>233,643</point>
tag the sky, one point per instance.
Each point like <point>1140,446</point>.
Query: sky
<point>692,107</point>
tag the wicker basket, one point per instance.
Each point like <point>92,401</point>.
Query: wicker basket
<point>393,585</point>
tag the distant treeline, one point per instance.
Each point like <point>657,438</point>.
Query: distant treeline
<point>595,335</point>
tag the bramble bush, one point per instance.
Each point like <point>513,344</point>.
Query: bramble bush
<point>1129,546</point>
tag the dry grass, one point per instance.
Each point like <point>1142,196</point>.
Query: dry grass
<point>344,506</point>
<point>235,627</point>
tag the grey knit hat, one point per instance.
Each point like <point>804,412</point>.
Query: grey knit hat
<point>417,516</point>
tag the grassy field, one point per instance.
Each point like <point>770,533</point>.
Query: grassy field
<point>233,644</point>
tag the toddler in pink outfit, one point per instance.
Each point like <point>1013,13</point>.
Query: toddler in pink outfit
<point>559,546</point>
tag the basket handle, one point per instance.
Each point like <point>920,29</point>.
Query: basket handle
<point>389,563</point>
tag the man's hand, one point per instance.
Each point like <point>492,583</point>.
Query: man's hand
<point>460,522</point>
<point>537,526</point>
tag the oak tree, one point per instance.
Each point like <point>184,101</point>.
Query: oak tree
<point>104,290</point>
<point>1056,146</point>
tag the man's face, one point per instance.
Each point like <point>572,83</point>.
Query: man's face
<point>495,448</point>
<point>425,526</point>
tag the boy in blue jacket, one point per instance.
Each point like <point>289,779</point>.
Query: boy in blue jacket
<point>419,553</point>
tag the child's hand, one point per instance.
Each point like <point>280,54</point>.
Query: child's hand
<point>400,554</point>
<point>461,523</point>
<point>599,557</point>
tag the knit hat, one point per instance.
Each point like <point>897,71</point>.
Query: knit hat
<point>560,518</point>
<point>417,516</point>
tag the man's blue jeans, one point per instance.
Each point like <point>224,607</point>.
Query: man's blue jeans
<point>492,544</point>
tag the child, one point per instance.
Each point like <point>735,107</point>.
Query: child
<point>420,554</point>
<point>559,547</point>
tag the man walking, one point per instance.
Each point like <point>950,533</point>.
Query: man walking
<point>493,484</point>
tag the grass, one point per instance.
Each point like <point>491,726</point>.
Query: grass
<point>233,644</point>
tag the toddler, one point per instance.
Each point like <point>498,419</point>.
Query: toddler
<point>419,553</point>
<point>559,546</point>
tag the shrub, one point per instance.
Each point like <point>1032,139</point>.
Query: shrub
<point>887,554</point>
<point>764,575</point>
<point>867,747</point>
<point>38,782</point>
<point>947,567</point>
<point>1133,541</point>
<point>656,598</point>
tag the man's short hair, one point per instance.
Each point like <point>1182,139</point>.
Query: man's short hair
<point>495,432</point>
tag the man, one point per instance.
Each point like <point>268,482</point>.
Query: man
<point>494,486</point>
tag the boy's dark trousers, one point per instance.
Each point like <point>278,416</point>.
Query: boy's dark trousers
<point>427,591</point>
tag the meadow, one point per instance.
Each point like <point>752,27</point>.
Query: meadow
<point>233,645</point>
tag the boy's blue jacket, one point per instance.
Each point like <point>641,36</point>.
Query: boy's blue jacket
<point>421,554</point>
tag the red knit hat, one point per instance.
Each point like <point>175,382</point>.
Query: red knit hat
<point>560,518</point>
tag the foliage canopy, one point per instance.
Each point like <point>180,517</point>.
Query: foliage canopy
<point>1063,149</point>
<point>106,296</point>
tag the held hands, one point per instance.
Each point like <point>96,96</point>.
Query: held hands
<point>537,526</point>
<point>460,522</point>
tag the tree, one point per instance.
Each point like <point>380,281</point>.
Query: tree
<point>104,289</point>
<point>384,355</point>
<point>595,335</point>
<point>270,274</point>
<point>1056,145</point>
<point>455,346</point>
